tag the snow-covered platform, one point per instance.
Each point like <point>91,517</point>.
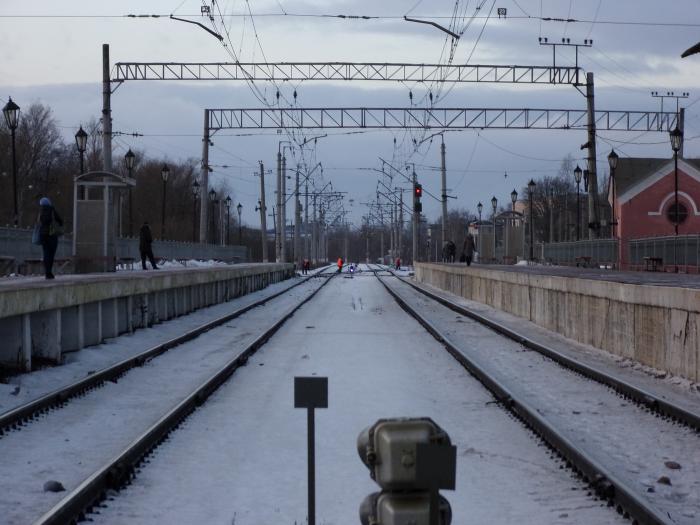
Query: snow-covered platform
<point>42,318</point>
<point>650,317</point>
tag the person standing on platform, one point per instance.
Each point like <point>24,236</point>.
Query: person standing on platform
<point>340,264</point>
<point>145,242</point>
<point>50,227</point>
<point>469,248</point>
<point>305,265</point>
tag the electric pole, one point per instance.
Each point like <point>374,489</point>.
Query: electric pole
<point>306,220</point>
<point>592,176</point>
<point>415,219</point>
<point>283,210</point>
<point>263,211</point>
<point>106,111</point>
<point>297,221</point>
<point>443,172</point>
<point>204,181</point>
<point>278,249</point>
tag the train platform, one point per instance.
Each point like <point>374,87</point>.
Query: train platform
<point>677,280</point>
<point>42,318</point>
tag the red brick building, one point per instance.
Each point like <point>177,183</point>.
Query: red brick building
<point>645,198</point>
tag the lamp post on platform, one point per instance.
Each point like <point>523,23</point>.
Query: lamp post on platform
<point>11,113</point>
<point>676,141</point>
<point>494,205</point>
<point>212,197</point>
<point>129,159</point>
<point>227,203</point>
<point>530,191</point>
<point>612,162</point>
<point>195,194</point>
<point>239,208</point>
<point>164,174</point>
<point>578,173</point>
<point>479,208</point>
<point>81,143</point>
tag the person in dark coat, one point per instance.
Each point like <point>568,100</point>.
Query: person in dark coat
<point>48,234</point>
<point>145,242</point>
<point>469,248</point>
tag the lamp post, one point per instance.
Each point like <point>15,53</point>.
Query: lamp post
<point>494,205</point>
<point>129,159</point>
<point>81,143</point>
<point>479,208</point>
<point>212,197</point>
<point>578,173</point>
<point>510,220</point>
<point>239,208</point>
<point>164,174</point>
<point>11,113</point>
<point>530,191</point>
<point>227,203</point>
<point>612,162</point>
<point>676,142</point>
<point>195,194</point>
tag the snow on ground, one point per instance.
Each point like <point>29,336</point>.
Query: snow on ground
<point>635,444</point>
<point>70,443</point>
<point>79,364</point>
<point>241,458</point>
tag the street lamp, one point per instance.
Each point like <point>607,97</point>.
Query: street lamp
<point>676,140</point>
<point>239,207</point>
<point>212,198</point>
<point>195,194</point>
<point>129,159</point>
<point>578,173</point>
<point>11,113</point>
<point>494,205</point>
<point>81,143</point>
<point>227,202</point>
<point>530,191</point>
<point>612,162</point>
<point>479,208</point>
<point>164,174</point>
<point>513,199</point>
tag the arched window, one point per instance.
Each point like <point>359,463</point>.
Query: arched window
<point>682,213</point>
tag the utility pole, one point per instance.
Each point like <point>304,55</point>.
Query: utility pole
<point>204,181</point>
<point>415,219</point>
<point>592,176</point>
<point>399,229</point>
<point>278,229</point>
<point>297,221</point>
<point>306,220</point>
<point>443,170</point>
<point>381,234</point>
<point>106,111</point>
<point>283,209</point>
<point>314,236</point>
<point>263,211</point>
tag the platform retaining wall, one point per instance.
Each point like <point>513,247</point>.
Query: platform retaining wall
<point>43,320</point>
<point>657,326</point>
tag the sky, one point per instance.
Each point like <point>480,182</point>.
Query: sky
<point>50,52</point>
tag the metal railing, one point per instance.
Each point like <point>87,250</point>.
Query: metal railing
<point>598,252</point>
<point>681,250</point>
<point>16,243</point>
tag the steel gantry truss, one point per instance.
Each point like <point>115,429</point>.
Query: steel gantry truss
<point>396,72</point>
<point>438,118</point>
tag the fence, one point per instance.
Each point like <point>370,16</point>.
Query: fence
<point>594,253</point>
<point>16,250</point>
<point>682,251</point>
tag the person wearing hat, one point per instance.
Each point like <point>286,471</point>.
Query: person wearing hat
<point>50,227</point>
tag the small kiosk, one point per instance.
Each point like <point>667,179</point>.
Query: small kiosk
<point>95,213</point>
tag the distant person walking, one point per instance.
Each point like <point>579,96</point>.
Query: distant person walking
<point>340,264</point>
<point>50,227</point>
<point>469,248</point>
<point>305,265</point>
<point>145,242</point>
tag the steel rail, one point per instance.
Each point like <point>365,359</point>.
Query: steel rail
<point>120,470</point>
<point>643,397</point>
<point>14,419</point>
<point>605,483</point>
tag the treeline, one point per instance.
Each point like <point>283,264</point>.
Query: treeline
<point>47,164</point>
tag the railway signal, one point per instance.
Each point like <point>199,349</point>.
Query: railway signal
<point>417,194</point>
<point>411,459</point>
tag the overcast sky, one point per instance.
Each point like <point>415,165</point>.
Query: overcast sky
<point>51,52</point>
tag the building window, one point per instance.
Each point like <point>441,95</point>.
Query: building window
<point>682,213</point>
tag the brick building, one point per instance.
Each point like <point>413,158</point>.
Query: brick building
<point>644,200</point>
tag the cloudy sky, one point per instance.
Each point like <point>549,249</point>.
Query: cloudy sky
<point>51,52</point>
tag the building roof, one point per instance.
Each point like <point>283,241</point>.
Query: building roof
<point>632,174</point>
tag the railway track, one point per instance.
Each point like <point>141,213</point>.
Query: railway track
<point>21,416</point>
<point>119,470</point>
<point>619,489</point>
